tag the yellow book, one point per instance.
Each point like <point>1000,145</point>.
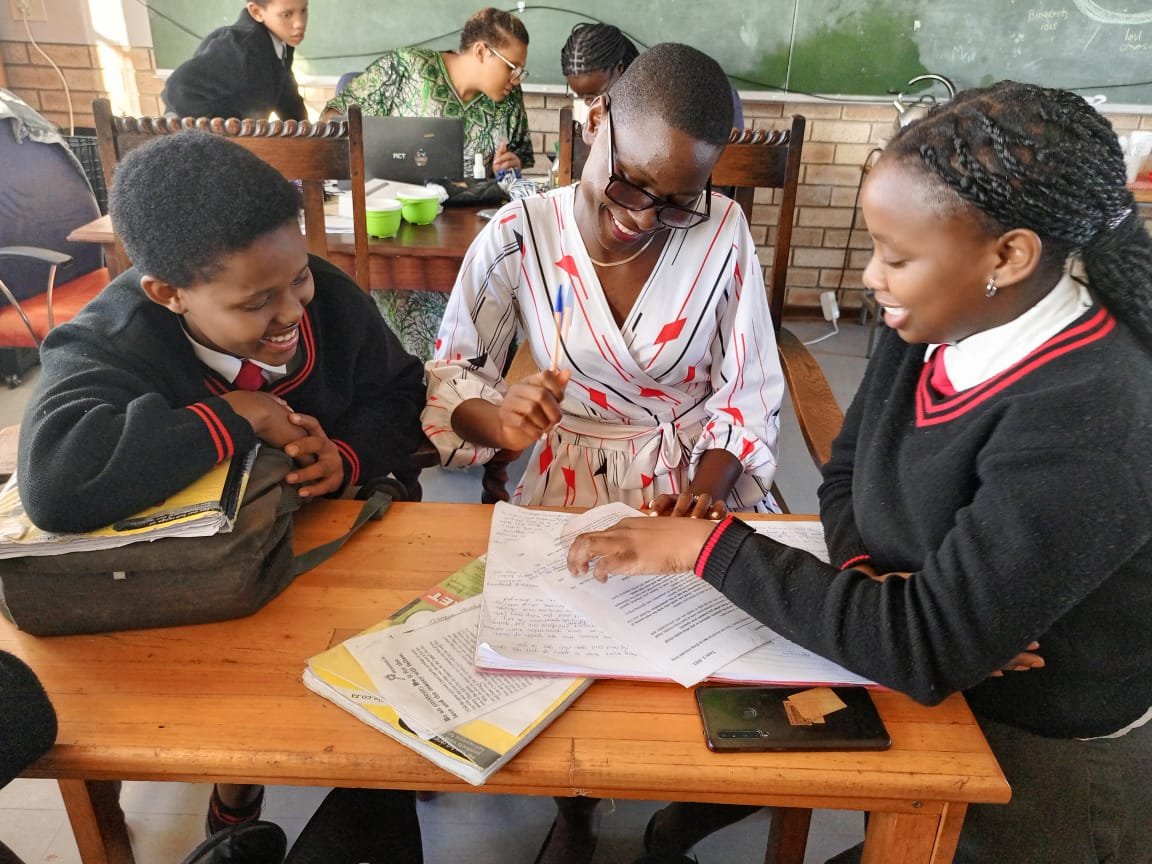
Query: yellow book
<point>473,750</point>
<point>208,506</point>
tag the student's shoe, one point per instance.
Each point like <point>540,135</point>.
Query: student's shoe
<point>851,855</point>
<point>577,850</point>
<point>221,817</point>
<point>250,843</point>
<point>650,857</point>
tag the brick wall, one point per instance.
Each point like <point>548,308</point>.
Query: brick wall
<point>91,72</point>
<point>840,137</point>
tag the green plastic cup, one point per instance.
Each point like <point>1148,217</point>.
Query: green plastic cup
<point>384,218</point>
<point>419,209</point>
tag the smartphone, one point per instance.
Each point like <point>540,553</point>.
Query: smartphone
<point>487,212</point>
<point>790,718</point>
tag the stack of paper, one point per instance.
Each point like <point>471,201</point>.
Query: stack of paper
<point>412,678</point>
<point>538,617</point>
<point>208,506</point>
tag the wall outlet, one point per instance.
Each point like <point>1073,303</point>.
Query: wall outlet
<point>30,10</point>
<point>829,305</point>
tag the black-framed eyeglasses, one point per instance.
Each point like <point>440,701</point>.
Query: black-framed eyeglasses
<point>519,73</point>
<point>632,197</point>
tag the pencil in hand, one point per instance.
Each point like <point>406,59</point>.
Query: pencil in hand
<point>562,315</point>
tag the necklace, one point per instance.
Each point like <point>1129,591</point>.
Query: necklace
<point>632,257</point>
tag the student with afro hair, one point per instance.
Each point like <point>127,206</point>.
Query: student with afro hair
<point>226,332</point>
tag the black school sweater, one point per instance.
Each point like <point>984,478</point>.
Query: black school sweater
<point>124,414</point>
<point>235,73</point>
<point>1023,509</point>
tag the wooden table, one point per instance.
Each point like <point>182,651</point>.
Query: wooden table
<point>224,702</point>
<point>418,258</point>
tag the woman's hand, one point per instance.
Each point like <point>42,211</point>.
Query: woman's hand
<point>321,469</point>
<point>695,505</point>
<point>504,159</point>
<point>531,408</point>
<point>1022,662</point>
<point>634,546</point>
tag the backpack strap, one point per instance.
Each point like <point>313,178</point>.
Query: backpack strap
<point>373,508</point>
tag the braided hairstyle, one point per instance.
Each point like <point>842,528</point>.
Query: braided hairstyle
<point>492,27</point>
<point>1043,159</point>
<point>596,48</point>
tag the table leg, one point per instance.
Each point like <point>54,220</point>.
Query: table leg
<point>906,838</point>
<point>115,258</point>
<point>97,821</point>
<point>788,836</point>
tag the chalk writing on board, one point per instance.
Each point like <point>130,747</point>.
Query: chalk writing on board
<point>1100,12</point>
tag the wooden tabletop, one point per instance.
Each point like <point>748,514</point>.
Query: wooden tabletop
<point>224,702</point>
<point>96,231</point>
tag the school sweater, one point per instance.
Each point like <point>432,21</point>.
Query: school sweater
<point>124,414</point>
<point>236,72</point>
<point>1022,507</point>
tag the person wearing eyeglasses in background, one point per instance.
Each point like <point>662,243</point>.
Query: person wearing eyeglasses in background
<point>592,59</point>
<point>660,385</point>
<point>479,83</point>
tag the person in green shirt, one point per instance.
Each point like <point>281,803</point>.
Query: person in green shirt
<point>479,83</point>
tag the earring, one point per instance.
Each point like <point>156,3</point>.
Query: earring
<point>990,289</point>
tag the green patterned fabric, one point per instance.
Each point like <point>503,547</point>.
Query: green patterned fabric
<point>414,316</point>
<point>414,82</point>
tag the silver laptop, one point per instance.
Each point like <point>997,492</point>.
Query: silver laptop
<point>414,149</point>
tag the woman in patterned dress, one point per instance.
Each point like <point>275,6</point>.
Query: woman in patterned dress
<point>479,83</point>
<point>663,377</point>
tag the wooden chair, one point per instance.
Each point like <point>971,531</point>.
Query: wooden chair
<point>304,151</point>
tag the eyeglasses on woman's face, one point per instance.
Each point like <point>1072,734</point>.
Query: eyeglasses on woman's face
<point>632,197</point>
<point>590,86</point>
<point>517,73</point>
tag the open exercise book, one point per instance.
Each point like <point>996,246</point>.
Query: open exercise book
<point>538,617</point>
<point>412,678</point>
<point>208,506</point>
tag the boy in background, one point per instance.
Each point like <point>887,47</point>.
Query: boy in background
<point>226,331</point>
<point>244,70</point>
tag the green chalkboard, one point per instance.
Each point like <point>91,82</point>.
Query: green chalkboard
<point>831,47</point>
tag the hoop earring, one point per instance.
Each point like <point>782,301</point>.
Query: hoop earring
<point>990,289</point>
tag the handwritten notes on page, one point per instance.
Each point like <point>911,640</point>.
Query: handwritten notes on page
<point>425,672</point>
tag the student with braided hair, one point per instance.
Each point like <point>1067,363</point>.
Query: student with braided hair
<point>594,56</point>
<point>996,457</point>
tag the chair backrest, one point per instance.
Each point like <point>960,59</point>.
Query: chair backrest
<point>754,158</point>
<point>300,150</point>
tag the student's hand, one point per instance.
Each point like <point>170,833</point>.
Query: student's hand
<point>504,158</point>
<point>1022,662</point>
<point>322,469</point>
<point>695,505</point>
<point>633,546</point>
<point>531,408</point>
<point>267,414</point>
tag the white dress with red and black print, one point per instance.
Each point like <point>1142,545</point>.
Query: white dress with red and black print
<point>693,368</point>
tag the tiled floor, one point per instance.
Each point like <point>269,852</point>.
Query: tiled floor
<point>166,820</point>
